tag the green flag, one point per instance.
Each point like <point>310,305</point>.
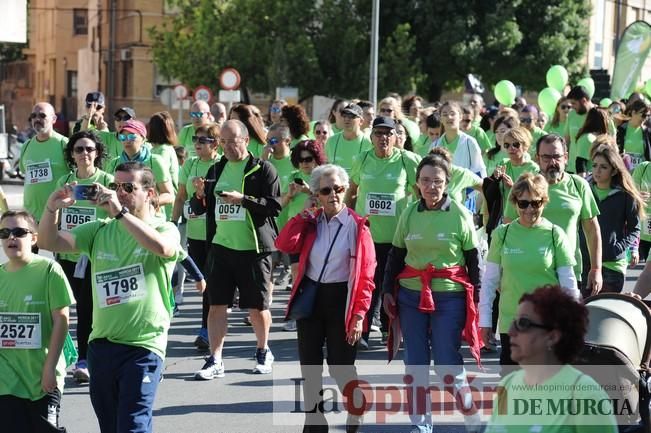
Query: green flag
<point>632,52</point>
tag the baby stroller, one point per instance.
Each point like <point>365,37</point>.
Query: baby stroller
<point>619,336</point>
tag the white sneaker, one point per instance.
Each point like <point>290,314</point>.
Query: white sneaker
<point>290,326</point>
<point>264,359</point>
<point>210,370</point>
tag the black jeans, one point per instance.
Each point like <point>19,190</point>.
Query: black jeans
<point>197,250</point>
<point>325,326</point>
<point>21,415</point>
<point>376,312</point>
<point>83,291</point>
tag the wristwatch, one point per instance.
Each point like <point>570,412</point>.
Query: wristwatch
<point>123,212</point>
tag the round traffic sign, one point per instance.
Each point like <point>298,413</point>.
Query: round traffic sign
<point>202,93</point>
<point>181,91</point>
<point>229,79</point>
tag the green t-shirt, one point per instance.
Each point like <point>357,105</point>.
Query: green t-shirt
<point>642,179</point>
<point>168,154</point>
<point>297,203</point>
<point>185,139</point>
<point>82,211</point>
<point>284,168</point>
<point>295,141</point>
<point>574,123</point>
<point>452,145</point>
<point>515,171</point>
<point>570,202</point>
<point>343,152</point>
<point>500,158</point>
<point>131,285</point>
<point>112,146</point>
<point>634,145</point>
<point>234,225</point>
<point>558,129</point>
<point>27,298</point>
<point>43,164</point>
<point>422,145</point>
<point>583,146</point>
<point>255,147</point>
<point>460,179</point>
<point>528,258</point>
<point>384,188</point>
<point>194,167</point>
<point>482,139</point>
<point>438,237</point>
<point>535,136</point>
<point>568,384</point>
<point>412,128</point>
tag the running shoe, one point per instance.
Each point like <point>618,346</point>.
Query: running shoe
<point>210,370</point>
<point>264,359</point>
<point>290,326</point>
<point>80,372</point>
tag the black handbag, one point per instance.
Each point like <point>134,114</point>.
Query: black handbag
<point>305,297</point>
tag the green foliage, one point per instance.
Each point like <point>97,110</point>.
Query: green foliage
<point>11,52</point>
<point>323,47</point>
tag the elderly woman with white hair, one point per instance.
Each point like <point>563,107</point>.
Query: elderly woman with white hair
<point>333,288</point>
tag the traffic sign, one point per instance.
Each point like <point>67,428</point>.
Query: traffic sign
<point>202,93</point>
<point>229,96</point>
<point>229,79</point>
<point>181,91</point>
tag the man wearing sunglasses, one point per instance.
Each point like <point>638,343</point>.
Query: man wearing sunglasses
<point>242,194</point>
<point>571,204</point>
<point>200,116</point>
<point>94,117</point>
<point>112,145</point>
<point>342,148</point>
<point>133,256</point>
<point>42,159</point>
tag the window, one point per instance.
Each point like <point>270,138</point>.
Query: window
<point>71,83</point>
<point>80,21</point>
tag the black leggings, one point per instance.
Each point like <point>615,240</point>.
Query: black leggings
<point>83,291</point>
<point>197,250</point>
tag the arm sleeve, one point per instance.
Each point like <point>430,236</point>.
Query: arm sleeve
<point>489,284</point>
<point>567,281</point>
<point>395,264</point>
<point>192,269</point>
<point>268,203</point>
<point>472,264</point>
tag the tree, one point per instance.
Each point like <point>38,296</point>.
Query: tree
<point>400,70</point>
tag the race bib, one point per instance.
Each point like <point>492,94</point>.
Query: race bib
<point>73,216</point>
<point>39,172</point>
<point>380,204</point>
<point>20,330</point>
<point>635,159</point>
<point>119,286</point>
<point>229,212</point>
<point>187,212</point>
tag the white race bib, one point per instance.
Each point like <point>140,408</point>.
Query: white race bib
<point>119,286</point>
<point>187,212</point>
<point>38,172</point>
<point>20,330</point>
<point>636,159</point>
<point>380,204</point>
<point>73,216</point>
<point>229,212</point>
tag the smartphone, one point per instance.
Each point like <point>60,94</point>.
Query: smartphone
<point>85,192</point>
<point>220,193</point>
<point>299,181</point>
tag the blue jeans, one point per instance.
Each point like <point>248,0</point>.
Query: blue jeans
<point>125,379</point>
<point>432,336</point>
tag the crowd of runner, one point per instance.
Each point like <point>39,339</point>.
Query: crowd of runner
<point>442,214</point>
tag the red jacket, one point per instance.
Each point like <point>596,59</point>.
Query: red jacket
<point>298,236</point>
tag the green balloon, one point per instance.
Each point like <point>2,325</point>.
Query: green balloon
<point>647,87</point>
<point>588,84</point>
<point>547,99</point>
<point>505,92</point>
<point>605,102</point>
<point>557,77</point>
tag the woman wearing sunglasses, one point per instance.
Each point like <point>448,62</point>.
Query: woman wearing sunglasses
<point>431,273</point>
<point>35,299</point>
<point>336,255</point>
<point>322,131</point>
<point>527,253</point>
<point>634,136</point>
<point>84,153</point>
<point>205,146</point>
<point>275,110</point>
<point>559,119</point>
<point>547,334</point>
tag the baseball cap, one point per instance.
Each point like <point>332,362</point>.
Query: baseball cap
<point>127,110</point>
<point>352,109</point>
<point>95,97</point>
<point>135,126</point>
<point>384,122</point>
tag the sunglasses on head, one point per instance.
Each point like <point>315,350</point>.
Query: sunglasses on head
<point>128,187</point>
<point>307,159</point>
<point>196,114</point>
<point>203,140</point>
<point>39,115</point>
<point>127,137</point>
<point>523,204</point>
<point>522,324</point>
<point>82,149</point>
<point>338,189</point>
<point>17,232</point>
<point>515,145</point>
<point>122,118</point>
<point>566,107</point>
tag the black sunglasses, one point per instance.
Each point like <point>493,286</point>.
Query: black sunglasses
<point>17,232</point>
<point>203,140</point>
<point>523,204</point>
<point>566,107</point>
<point>307,159</point>
<point>338,189</point>
<point>39,115</point>
<point>82,149</point>
<point>525,120</point>
<point>128,187</point>
<point>122,118</point>
<point>516,145</point>
<point>523,324</point>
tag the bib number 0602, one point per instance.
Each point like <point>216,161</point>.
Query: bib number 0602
<point>379,204</point>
